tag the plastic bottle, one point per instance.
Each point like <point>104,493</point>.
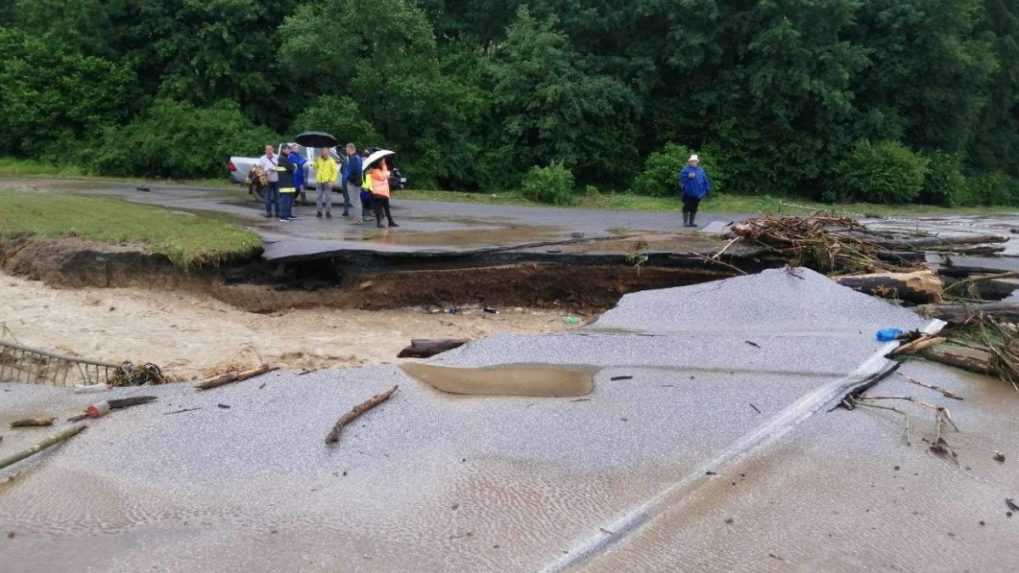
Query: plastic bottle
<point>888,334</point>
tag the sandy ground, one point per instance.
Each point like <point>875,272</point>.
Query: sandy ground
<point>193,336</point>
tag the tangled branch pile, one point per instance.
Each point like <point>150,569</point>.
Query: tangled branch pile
<point>130,375</point>
<point>824,243</point>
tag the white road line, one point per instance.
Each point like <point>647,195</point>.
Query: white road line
<point>634,518</point>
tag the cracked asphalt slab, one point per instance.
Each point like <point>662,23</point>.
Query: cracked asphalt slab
<point>431,481</point>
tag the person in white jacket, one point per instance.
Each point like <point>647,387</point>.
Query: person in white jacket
<point>269,162</point>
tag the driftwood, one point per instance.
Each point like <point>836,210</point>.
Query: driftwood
<point>964,266</point>
<point>37,422</point>
<point>909,244</point>
<point>353,414</point>
<point>427,347</point>
<point>231,377</point>
<point>972,360</point>
<point>962,313</point>
<point>47,443</point>
<point>919,286</point>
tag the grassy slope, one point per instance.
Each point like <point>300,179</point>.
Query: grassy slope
<point>187,239</point>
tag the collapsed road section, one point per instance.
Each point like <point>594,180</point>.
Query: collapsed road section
<point>682,377</point>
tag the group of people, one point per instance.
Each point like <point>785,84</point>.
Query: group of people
<point>365,188</point>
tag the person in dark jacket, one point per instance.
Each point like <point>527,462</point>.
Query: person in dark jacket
<point>295,165</point>
<point>694,182</point>
<point>351,179</point>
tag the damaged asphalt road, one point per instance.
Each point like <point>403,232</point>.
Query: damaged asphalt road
<point>712,457</point>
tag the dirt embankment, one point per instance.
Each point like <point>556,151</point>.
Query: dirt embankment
<point>120,303</point>
<point>256,286</point>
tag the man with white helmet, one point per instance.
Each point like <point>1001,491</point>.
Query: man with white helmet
<point>694,182</point>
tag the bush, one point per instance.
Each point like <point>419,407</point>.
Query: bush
<point>173,139</point>
<point>885,172</point>
<point>660,170</point>
<point>553,185</point>
<point>990,189</point>
<point>944,184</point>
<point>659,177</point>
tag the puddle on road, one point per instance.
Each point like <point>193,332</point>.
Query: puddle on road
<point>466,237</point>
<point>509,380</point>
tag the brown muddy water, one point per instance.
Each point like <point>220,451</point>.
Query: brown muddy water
<point>536,380</point>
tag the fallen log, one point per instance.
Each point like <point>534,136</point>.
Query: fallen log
<point>231,377</point>
<point>37,422</point>
<point>43,445</point>
<point>962,313</point>
<point>964,266</point>
<point>972,360</point>
<point>919,286</point>
<point>355,412</point>
<point>428,347</point>
<point>933,242</point>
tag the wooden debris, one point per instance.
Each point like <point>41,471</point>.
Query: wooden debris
<point>428,347</point>
<point>921,286</point>
<point>939,389</point>
<point>37,422</point>
<point>355,412</point>
<point>231,377</point>
<point>963,313</point>
<point>917,346</point>
<point>47,443</point>
<point>973,360</point>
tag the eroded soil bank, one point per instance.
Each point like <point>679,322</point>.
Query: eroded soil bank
<point>119,303</point>
<point>576,282</point>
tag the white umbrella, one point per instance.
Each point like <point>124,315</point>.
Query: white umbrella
<point>375,157</point>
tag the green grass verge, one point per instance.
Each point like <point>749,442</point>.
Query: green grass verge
<point>29,167</point>
<point>187,239</point>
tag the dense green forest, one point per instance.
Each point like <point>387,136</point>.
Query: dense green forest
<point>880,100</point>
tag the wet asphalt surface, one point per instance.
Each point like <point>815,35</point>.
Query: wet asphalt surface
<point>717,456</point>
<point>429,226</point>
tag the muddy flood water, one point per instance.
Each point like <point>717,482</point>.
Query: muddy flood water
<point>535,380</point>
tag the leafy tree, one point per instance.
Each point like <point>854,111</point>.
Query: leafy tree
<point>187,50</point>
<point>340,116</point>
<point>996,140</point>
<point>550,108</point>
<point>929,71</point>
<point>52,97</point>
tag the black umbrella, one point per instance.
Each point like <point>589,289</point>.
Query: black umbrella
<point>316,139</point>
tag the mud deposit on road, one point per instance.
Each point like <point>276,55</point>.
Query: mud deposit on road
<point>506,380</point>
<point>193,335</point>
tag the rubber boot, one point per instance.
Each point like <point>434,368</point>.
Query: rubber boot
<point>686,218</point>
<point>692,215</point>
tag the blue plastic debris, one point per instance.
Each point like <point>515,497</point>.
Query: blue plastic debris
<point>888,334</point>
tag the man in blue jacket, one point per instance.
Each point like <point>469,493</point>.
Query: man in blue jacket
<point>695,185</point>
<point>350,184</point>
